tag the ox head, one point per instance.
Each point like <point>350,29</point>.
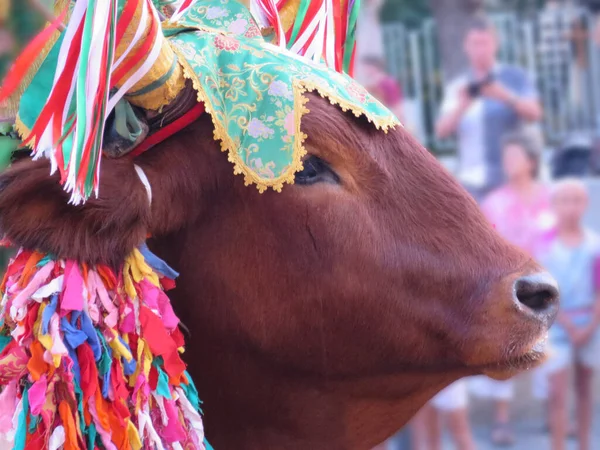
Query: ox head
<point>364,288</point>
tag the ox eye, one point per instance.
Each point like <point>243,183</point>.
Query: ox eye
<point>316,171</point>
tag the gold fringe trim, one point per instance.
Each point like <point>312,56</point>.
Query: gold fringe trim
<point>300,88</point>
<point>60,6</point>
<point>23,131</point>
<point>384,124</point>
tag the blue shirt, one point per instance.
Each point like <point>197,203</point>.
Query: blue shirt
<point>573,268</point>
<point>484,125</point>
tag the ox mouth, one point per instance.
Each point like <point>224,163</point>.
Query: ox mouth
<point>533,357</point>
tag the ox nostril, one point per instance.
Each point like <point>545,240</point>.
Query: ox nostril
<point>538,292</point>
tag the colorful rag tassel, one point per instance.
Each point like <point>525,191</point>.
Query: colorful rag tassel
<point>90,359</point>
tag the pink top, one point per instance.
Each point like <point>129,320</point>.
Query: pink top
<point>527,223</point>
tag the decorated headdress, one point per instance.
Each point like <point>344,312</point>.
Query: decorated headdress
<point>90,357</point>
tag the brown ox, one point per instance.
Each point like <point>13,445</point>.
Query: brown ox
<point>322,317</point>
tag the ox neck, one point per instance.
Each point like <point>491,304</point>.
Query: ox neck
<point>250,408</point>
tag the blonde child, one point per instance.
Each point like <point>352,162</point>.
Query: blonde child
<point>572,258</point>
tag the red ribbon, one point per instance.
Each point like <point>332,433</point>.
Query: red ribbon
<point>173,128</point>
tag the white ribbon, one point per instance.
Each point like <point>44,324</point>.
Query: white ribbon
<point>54,287</point>
<point>144,179</point>
<point>57,438</point>
<point>190,413</point>
<point>145,422</point>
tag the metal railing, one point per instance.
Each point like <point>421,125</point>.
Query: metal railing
<point>569,93</point>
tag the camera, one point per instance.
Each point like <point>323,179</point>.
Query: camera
<point>474,88</point>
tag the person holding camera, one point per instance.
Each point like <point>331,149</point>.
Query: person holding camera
<point>485,103</point>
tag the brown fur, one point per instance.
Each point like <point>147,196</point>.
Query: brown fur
<point>322,317</point>
<point>34,213</point>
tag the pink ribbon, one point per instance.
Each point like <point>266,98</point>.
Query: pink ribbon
<point>8,403</point>
<point>173,432</point>
<point>72,296</point>
<point>157,300</point>
<point>96,283</point>
<point>37,395</point>
<point>17,309</point>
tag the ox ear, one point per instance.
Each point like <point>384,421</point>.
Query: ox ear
<point>35,213</point>
<point>184,172</point>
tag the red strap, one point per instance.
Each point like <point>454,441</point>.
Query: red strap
<point>166,132</point>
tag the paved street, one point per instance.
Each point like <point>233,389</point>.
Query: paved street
<point>528,423</point>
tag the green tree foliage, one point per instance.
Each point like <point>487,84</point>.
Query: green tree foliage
<point>23,24</point>
<point>410,12</point>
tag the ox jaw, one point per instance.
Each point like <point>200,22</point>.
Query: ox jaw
<point>537,354</point>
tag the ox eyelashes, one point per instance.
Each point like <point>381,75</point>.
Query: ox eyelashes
<point>316,171</point>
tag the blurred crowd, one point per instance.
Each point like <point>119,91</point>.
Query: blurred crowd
<point>491,110</point>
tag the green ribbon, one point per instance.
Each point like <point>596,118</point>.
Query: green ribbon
<point>351,35</point>
<point>162,387</point>
<point>4,341</point>
<point>127,123</point>
<point>92,435</point>
<point>86,43</point>
<point>302,10</point>
<point>21,435</point>
<point>97,148</point>
<point>191,392</point>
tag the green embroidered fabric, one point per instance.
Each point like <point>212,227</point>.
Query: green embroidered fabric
<point>255,91</point>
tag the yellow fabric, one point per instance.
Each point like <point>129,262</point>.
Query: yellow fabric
<point>163,95</point>
<point>46,341</point>
<point>38,322</point>
<point>118,347</point>
<point>140,269</point>
<point>128,282</point>
<point>134,437</point>
<point>4,10</point>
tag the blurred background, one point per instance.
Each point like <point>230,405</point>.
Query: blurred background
<point>506,93</point>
